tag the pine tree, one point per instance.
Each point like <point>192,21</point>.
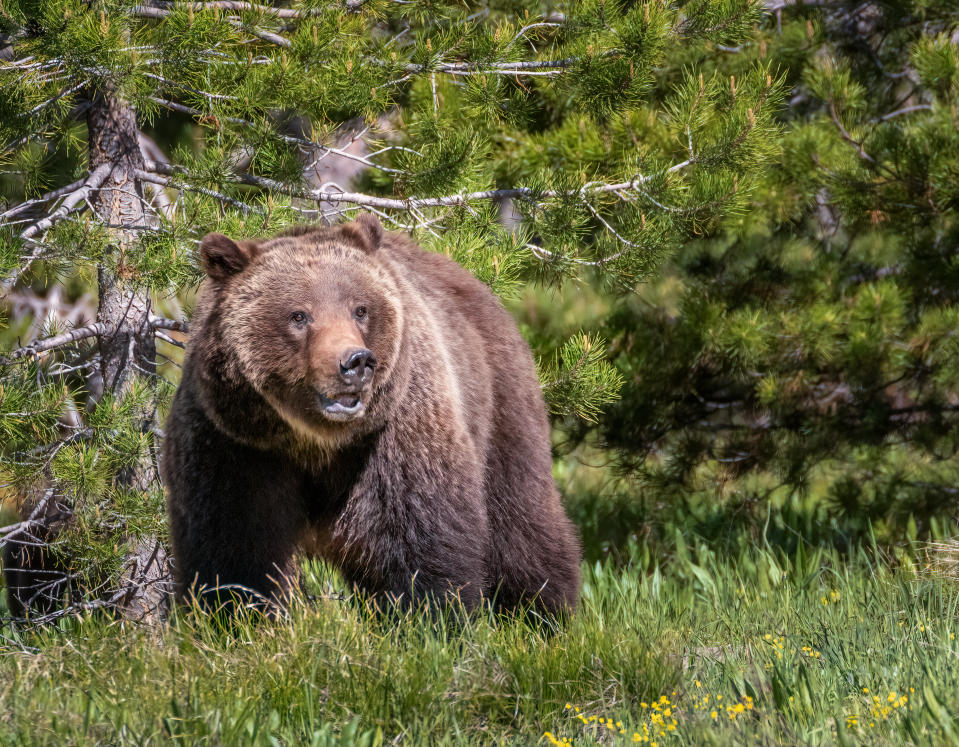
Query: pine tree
<point>801,364</point>
<point>128,130</point>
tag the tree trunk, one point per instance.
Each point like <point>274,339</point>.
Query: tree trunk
<point>129,349</point>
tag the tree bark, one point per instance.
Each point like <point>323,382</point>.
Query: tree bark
<point>129,348</point>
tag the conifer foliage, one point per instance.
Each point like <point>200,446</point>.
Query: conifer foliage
<point>806,355</point>
<point>129,129</point>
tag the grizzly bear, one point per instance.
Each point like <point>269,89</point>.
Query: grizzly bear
<point>352,396</point>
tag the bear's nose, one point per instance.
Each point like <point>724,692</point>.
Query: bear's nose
<point>356,365</point>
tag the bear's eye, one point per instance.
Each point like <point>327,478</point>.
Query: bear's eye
<point>359,312</point>
<point>298,317</point>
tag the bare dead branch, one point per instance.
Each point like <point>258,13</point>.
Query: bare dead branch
<point>146,11</point>
<point>41,346</point>
<point>159,201</point>
<point>75,608</point>
<point>175,106</point>
<point>904,110</point>
<point>168,340</point>
<point>153,178</point>
<point>413,203</point>
<point>333,194</point>
<point>509,68</point>
<point>54,195</point>
<point>92,183</point>
<point>8,532</point>
<point>158,322</point>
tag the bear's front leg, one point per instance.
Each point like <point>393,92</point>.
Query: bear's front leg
<point>415,528</point>
<point>235,514</point>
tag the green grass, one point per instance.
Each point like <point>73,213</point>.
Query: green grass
<point>757,649</point>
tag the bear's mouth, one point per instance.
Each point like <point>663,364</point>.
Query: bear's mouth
<point>342,407</point>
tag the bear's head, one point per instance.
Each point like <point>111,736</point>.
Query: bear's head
<point>310,320</point>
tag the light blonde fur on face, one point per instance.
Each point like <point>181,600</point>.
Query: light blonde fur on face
<point>282,279</point>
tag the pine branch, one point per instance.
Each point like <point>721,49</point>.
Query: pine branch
<point>41,346</point>
<point>844,133</point>
<point>53,99</point>
<point>161,9</point>
<point>267,36</point>
<point>777,5</point>
<point>530,27</point>
<point>50,450</point>
<point>72,200</point>
<point>413,203</point>
<point>546,254</point>
<point>183,109</point>
<point>544,68</point>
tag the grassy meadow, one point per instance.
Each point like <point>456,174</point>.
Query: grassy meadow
<point>763,648</point>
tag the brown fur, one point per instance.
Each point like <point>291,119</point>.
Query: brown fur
<point>442,485</point>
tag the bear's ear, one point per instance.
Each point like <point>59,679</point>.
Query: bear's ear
<point>223,257</point>
<point>366,232</point>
